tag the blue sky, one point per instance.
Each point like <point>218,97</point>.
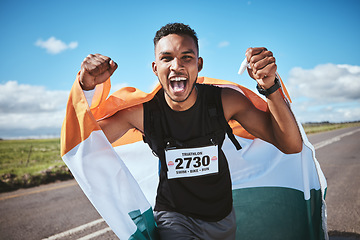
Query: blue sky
<point>42,44</point>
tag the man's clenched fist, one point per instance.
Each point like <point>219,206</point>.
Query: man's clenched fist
<point>263,66</point>
<point>95,69</point>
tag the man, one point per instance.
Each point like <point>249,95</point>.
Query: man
<point>194,204</point>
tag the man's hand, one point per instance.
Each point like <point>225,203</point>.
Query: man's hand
<point>95,69</point>
<point>263,67</point>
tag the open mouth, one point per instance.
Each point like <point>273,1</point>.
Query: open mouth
<point>178,84</point>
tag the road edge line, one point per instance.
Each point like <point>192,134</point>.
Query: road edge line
<point>74,230</point>
<point>334,139</point>
<point>95,234</point>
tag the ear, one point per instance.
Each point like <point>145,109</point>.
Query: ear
<point>154,68</point>
<point>200,64</point>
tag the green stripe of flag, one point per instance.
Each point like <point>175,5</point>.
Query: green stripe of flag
<point>276,213</point>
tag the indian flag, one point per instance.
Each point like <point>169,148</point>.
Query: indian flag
<point>276,195</point>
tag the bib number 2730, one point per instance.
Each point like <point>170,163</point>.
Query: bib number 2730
<point>196,162</point>
<point>192,162</point>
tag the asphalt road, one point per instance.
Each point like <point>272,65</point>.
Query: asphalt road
<point>61,211</point>
<point>340,162</point>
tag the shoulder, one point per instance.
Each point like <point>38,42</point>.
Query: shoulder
<point>226,93</point>
<point>118,124</point>
<point>209,91</point>
<point>229,94</point>
<point>205,87</point>
<point>132,116</point>
<point>155,101</point>
<point>234,102</point>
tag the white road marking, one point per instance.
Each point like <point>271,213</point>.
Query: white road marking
<point>74,230</point>
<point>95,234</point>
<point>334,139</point>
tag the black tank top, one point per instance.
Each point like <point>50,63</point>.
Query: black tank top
<point>206,197</point>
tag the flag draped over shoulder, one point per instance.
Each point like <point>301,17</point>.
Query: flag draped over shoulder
<point>275,195</point>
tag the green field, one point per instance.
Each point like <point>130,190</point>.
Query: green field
<point>311,128</point>
<point>27,163</point>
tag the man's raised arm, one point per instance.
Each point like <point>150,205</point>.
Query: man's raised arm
<point>277,126</point>
<point>96,69</point>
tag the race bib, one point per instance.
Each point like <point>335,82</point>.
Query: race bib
<point>191,162</point>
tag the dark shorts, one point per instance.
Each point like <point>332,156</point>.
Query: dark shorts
<point>173,225</point>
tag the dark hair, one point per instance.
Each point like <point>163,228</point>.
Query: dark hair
<point>176,28</point>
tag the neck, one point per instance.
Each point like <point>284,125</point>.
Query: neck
<point>184,105</point>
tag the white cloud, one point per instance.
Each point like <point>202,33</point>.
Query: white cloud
<point>55,46</point>
<point>223,44</point>
<point>30,108</point>
<point>327,92</point>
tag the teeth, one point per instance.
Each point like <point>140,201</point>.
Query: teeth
<point>178,79</point>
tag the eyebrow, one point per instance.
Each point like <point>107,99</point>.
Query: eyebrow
<point>190,51</point>
<point>164,53</point>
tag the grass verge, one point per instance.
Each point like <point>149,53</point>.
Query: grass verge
<point>311,128</point>
<point>31,162</point>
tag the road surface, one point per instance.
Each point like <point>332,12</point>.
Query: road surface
<point>61,211</point>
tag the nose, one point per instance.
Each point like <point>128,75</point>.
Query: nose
<point>176,64</point>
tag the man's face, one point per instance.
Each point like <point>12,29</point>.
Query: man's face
<point>177,66</point>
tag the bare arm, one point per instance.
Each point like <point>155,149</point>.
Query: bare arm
<point>96,69</point>
<point>278,125</point>
<point>117,125</point>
